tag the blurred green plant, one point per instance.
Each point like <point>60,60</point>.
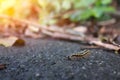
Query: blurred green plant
<point>75,10</point>
<point>90,8</point>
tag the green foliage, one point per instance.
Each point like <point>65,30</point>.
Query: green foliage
<point>90,8</point>
<point>51,10</point>
<point>75,10</point>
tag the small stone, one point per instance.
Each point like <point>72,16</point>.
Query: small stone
<point>114,72</point>
<point>37,74</point>
<point>83,68</point>
<point>22,66</point>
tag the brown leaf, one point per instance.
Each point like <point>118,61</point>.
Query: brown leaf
<point>12,41</point>
<point>19,42</point>
<point>2,66</point>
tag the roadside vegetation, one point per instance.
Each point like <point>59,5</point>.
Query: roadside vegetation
<point>89,21</point>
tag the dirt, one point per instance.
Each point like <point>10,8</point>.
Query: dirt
<point>46,59</point>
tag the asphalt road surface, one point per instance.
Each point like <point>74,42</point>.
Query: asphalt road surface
<point>47,59</point>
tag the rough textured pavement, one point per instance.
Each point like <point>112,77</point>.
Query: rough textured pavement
<point>46,59</point>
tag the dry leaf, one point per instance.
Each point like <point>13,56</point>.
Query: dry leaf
<point>12,41</point>
<point>33,34</point>
<point>19,42</point>
<point>82,29</point>
<point>117,40</point>
<point>2,66</point>
<point>33,28</point>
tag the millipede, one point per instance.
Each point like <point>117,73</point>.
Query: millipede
<point>79,55</point>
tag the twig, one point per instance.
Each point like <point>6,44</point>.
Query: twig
<point>106,45</point>
<point>76,38</point>
<point>61,33</point>
<point>50,28</point>
<point>87,39</point>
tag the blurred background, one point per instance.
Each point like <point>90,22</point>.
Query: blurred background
<point>63,13</point>
<point>47,12</point>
